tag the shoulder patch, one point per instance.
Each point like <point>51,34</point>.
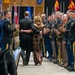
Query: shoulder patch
<point>8,26</point>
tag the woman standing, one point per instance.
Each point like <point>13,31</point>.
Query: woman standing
<point>38,40</point>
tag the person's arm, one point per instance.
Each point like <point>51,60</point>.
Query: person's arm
<point>46,30</point>
<point>34,29</point>
<point>26,31</point>
<point>8,27</point>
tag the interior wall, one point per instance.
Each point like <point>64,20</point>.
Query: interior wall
<point>20,12</point>
<point>37,8</point>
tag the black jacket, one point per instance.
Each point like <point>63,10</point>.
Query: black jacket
<point>7,31</point>
<point>27,24</point>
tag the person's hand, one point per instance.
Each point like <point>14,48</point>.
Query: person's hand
<point>48,30</point>
<point>21,30</point>
<point>60,28</point>
<point>55,30</point>
<point>58,33</point>
<point>16,26</point>
<point>31,31</point>
<point>64,29</point>
<point>64,42</point>
<point>40,32</point>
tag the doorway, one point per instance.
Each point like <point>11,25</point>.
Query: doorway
<point>20,12</point>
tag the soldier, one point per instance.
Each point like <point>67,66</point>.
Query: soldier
<point>6,42</point>
<point>47,38</point>
<point>63,51</point>
<point>3,65</point>
<point>55,26</point>
<point>69,41</point>
<point>53,36</point>
<point>1,28</point>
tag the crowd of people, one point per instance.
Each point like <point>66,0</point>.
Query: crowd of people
<point>60,44</point>
<point>55,35</point>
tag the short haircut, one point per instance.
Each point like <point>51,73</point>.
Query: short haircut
<point>5,12</point>
<point>43,15</point>
<point>26,13</point>
<point>73,11</point>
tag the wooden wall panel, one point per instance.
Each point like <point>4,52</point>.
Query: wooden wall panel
<point>37,8</point>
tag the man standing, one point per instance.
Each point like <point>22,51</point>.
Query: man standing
<point>47,38</point>
<point>6,42</point>
<point>70,39</point>
<point>1,28</point>
<point>26,37</point>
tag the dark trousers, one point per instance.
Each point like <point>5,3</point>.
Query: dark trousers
<point>28,49</point>
<point>70,55</point>
<point>26,45</point>
<point>56,48</point>
<point>23,55</point>
<point>48,46</point>
<point>10,60</point>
